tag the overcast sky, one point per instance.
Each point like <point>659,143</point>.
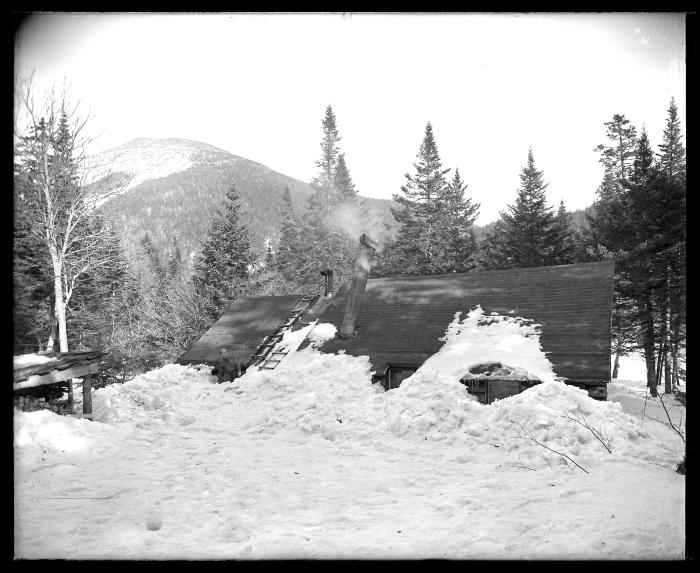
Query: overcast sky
<point>257,86</point>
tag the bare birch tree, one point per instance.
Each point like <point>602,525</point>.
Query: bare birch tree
<point>53,185</point>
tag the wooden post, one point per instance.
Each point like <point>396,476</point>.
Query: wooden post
<point>87,394</point>
<point>70,395</point>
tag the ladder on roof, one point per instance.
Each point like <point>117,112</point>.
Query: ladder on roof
<point>265,355</point>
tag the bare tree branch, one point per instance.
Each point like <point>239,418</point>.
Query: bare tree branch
<point>597,434</point>
<point>536,441</point>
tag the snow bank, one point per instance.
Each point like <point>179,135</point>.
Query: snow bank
<point>332,396</point>
<point>168,394</point>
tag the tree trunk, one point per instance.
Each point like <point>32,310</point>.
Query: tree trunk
<point>616,365</point>
<point>60,306</point>
<point>674,354</point>
<point>52,333</point>
<point>668,386</point>
<point>649,350</point>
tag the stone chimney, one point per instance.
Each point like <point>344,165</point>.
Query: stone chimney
<point>363,262</point>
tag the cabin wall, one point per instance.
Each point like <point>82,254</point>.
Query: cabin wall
<point>487,390</point>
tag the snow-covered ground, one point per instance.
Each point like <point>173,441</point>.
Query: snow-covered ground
<point>313,461</point>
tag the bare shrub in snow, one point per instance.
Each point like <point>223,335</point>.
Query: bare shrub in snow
<point>598,433</point>
<point>530,436</point>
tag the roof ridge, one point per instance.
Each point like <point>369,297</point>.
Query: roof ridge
<point>491,272</point>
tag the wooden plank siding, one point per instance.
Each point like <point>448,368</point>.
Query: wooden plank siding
<point>401,320</point>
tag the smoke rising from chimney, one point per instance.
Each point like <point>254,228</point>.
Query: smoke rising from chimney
<point>356,218</point>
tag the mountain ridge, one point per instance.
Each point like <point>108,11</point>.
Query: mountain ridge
<point>177,185</point>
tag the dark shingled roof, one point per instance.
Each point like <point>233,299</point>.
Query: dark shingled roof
<point>241,328</point>
<point>401,320</point>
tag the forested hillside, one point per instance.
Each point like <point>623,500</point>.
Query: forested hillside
<point>182,203</point>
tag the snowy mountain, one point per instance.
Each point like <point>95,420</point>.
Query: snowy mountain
<point>176,186</point>
<point>143,159</point>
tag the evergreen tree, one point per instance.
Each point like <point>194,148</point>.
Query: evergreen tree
<point>564,242</point>
<point>458,225</point>
<point>672,156</point>
<point>421,212</point>
<point>327,163</point>
<point>619,155</point>
<point>269,256</point>
<point>643,166</point>
<point>32,285</point>
<point>321,241</point>
<point>174,259</point>
<point>157,270</point>
<point>289,252</point>
<point>527,234</point>
<point>221,270</point>
<point>641,220</point>
<point>342,182</point>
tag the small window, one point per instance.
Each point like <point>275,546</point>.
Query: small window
<point>397,374</point>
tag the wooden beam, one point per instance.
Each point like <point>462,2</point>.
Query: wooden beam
<point>56,376</point>
<point>71,398</point>
<point>87,394</point>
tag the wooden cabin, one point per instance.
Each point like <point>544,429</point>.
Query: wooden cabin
<point>398,322</point>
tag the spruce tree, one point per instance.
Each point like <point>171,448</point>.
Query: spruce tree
<point>643,165</point>
<point>342,182</point>
<point>672,156</point>
<point>619,154</point>
<point>672,166</point>
<point>527,234</point>
<point>221,269</point>
<point>458,225</point>
<point>269,256</point>
<point>421,212</point>
<point>174,259</point>
<point>32,285</point>
<point>289,252</point>
<point>564,238</point>
<point>157,270</point>
<point>641,219</point>
<point>327,163</point>
<point>321,240</point>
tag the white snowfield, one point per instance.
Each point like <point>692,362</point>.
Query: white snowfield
<point>144,159</point>
<point>311,460</point>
